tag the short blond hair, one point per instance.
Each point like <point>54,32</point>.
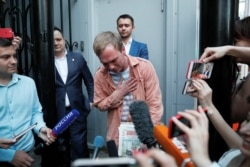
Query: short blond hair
<point>106,38</point>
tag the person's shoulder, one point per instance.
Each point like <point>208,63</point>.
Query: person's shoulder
<point>101,72</point>
<point>76,55</point>
<point>228,156</point>
<point>139,43</point>
<point>73,53</point>
<point>24,78</point>
<point>139,60</point>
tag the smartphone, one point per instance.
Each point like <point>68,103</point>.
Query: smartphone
<point>188,87</point>
<point>21,134</point>
<point>6,33</point>
<point>106,162</point>
<point>174,130</point>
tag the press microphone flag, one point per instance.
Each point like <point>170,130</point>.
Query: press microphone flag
<point>60,127</point>
<point>98,144</point>
<point>65,122</point>
<point>173,146</point>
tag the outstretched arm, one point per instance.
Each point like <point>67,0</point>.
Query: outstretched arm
<point>241,54</point>
<point>196,136</point>
<point>204,95</point>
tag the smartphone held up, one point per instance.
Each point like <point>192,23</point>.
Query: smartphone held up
<point>174,130</point>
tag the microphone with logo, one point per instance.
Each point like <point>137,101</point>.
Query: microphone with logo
<point>60,127</point>
<point>173,146</point>
<point>98,144</point>
<point>139,112</point>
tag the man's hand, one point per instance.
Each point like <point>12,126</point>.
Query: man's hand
<point>159,157</point>
<point>6,143</point>
<point>126,87</point>
<point>22,159</point>
<point>16,42</point>
<point>45,134</point>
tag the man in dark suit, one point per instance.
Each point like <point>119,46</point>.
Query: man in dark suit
<point>71,70</point>
<point>125,27</point>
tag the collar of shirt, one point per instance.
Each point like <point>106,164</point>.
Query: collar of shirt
<point>128,45</point>
<point>62,58</point>
<point>14,80</point>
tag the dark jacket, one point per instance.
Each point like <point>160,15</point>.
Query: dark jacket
<point>78,71</point>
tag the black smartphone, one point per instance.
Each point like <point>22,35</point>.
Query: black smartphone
<point>175,131</point>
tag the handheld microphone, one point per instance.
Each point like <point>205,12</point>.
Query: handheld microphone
<point>112,149</point>
<point>65,122</point>
<point>98,144</point>
<point>173,146</point>
<point>139,112</point>
<point>60,127</point>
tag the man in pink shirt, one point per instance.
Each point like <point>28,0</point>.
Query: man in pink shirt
<point>121,80</point>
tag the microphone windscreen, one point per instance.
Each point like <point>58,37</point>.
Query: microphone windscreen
<point>173,146</point>
<point>65,122</point>
<point>112,149</point>
<point>98,142</point>
<point>139,112</point>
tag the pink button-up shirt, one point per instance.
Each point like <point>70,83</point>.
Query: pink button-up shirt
<point>148,90</point>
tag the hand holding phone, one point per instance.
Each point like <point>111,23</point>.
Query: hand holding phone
<point>6,143</point>
<point>21,134</point>
<point>174,130</point>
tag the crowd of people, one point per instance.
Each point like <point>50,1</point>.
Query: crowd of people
<point>125,76</point>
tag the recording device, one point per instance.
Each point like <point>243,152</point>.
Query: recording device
<point>174,130</point>
<point>98,144</point>
<point>112,149</point>
<point>6,33</point>
<point>173,146</point>
<point>139,112</point>
<point>60,127</point>
<point>21,134</point>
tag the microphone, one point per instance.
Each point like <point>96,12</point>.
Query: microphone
<point>65,122</point>
<point>60,127</point>
<point>173,146</point>
<point>98,144</point>
<point>112,149</point>
<point>139,112</point>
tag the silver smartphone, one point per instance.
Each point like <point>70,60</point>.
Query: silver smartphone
<point>21,134</point>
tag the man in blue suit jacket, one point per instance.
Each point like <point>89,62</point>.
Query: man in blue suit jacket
<point>71,70</point>
<point>125,27</point>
